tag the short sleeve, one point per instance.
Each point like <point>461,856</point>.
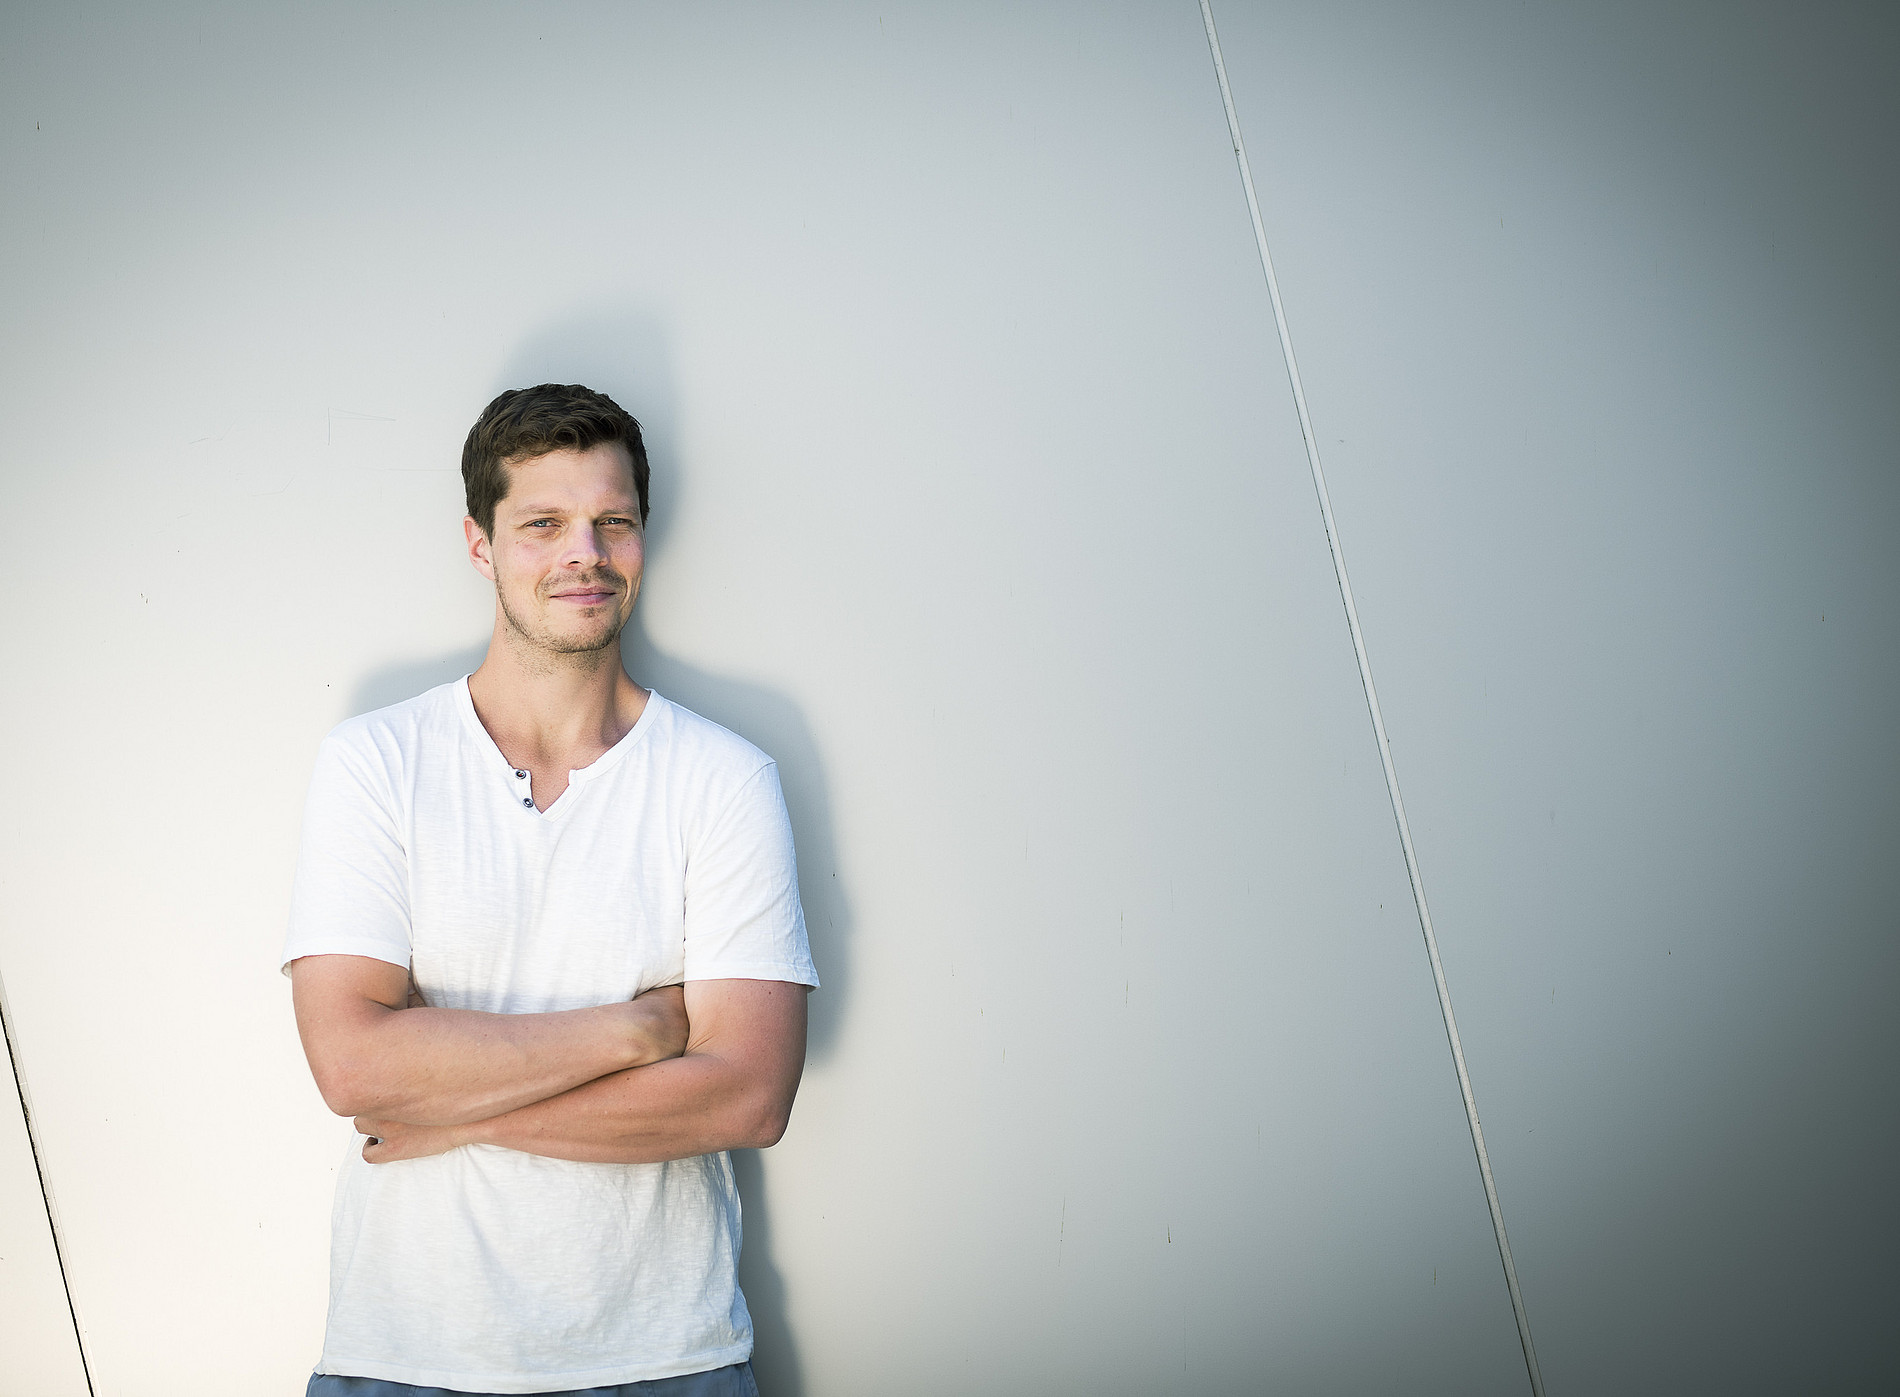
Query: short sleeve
<point>743,919</point>
<point>351,895</point>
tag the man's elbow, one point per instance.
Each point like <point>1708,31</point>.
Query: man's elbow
<point>343,1043</point>
<point>771,1132</point>
<point>339,1092</point>
<point>764,1123</point>
<point>347,1089</point>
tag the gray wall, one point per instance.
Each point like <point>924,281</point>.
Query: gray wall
<point>980,503</point>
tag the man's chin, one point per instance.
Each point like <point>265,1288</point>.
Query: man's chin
<point>580,645</point>
<point>577,637</point>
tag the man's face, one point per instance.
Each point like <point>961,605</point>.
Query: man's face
<point>568,549</point>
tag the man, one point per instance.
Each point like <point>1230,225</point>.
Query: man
<point>546,947</point>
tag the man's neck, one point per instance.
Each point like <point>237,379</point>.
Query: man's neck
<point>553,713</point>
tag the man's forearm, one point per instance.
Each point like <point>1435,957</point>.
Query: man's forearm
<point>450,1066</point>
<point>685,1106</point>
<point>732,1089</point>
<point>428,1066</point>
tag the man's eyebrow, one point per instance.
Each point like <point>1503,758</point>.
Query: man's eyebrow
<point>527,509</point>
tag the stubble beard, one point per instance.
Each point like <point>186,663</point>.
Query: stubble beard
<point>550,644</point>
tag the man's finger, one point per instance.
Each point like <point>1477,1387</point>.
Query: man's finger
<point>372,1136</point>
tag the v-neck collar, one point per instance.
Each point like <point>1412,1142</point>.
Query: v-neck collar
<point>576,777</point>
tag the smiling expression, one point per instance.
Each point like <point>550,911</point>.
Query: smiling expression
<point>567,550</point>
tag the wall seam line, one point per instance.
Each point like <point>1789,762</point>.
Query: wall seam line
<point>46,1192</point>
<point>1372,705</point>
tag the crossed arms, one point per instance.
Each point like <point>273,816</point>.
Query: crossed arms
<point>674,1073</point>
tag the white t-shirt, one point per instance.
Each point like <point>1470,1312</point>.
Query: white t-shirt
<point>669,859</point>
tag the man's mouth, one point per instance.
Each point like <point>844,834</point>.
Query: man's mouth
<point>590,596</point>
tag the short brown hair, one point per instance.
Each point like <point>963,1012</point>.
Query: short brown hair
<point>527,422</point>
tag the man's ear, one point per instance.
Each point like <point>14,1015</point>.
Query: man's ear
<point>478,548</point>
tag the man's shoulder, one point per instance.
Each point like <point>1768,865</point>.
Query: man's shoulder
<point>698,741</point>
<point>399,728</point>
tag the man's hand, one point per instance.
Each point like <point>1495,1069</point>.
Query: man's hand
<point>390,1141</point>
<point>661,1023</point>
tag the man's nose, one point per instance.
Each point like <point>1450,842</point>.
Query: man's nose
<point>583,547</point>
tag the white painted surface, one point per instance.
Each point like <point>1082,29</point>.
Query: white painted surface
<point>979,503</point>
<point>1596,305</point>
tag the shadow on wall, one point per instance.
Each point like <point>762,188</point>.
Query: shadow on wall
<point>624,356</point>
<point>775,724</point>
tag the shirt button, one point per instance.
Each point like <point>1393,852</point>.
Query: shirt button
<point>527,800</point>
<point>521,776</point>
